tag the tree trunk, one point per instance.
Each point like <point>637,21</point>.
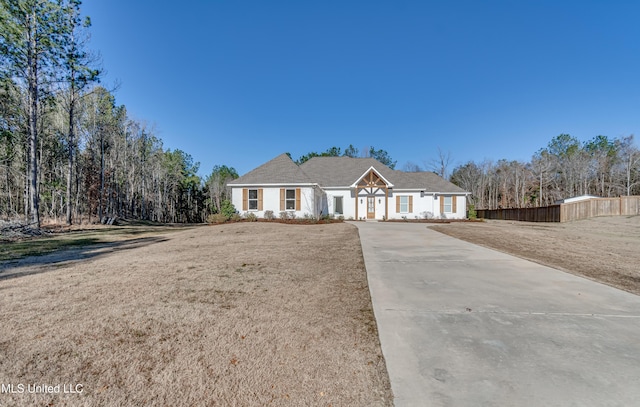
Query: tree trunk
<point>71,141</point>
<point>541,190</point>
<point>33,122</point>
<point>26,196</point>
<point>100,208</point>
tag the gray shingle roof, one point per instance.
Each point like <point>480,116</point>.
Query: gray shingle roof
<point>427,181</point>
<point>280,170</point>
<point>344,171</point>
<point>341,172</point>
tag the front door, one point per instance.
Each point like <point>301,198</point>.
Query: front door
<point>371,207</point>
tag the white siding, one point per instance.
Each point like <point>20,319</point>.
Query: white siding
<point>313,202</point>
<point>348,207</point>
<point>426,206</point>
<point>236,198</point>
<point>271,200</point>
<point>421,205</point>
<point>461,207</point>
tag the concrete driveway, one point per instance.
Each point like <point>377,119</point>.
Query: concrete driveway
<point>462,325</point>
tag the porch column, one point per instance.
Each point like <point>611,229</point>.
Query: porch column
<point>386,203</point>
<point>357,203</point>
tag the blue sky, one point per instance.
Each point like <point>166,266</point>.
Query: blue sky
<point>239,82</point>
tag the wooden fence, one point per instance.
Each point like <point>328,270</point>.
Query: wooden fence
<point>567,212</point>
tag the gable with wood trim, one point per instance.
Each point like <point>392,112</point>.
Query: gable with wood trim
<point>355,188</point>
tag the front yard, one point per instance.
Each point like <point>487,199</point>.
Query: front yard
<point>245,314</point>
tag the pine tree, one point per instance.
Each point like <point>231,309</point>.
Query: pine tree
<point>31,38</point>
<point>78,74</point>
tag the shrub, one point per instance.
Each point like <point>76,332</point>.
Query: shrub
<point>236,217</point>
<point>250,216</point>
<point>426,215</point>
<point>216,218</point>
<point>284,215</point>
<point>227,209</point>
<point>472,212</point>
<point>268,215</point>
<point>329,216</point>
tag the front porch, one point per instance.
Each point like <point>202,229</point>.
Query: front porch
<point>372,196</point>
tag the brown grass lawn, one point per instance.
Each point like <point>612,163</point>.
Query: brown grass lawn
<point>604,249</point>
<point>247,314</point>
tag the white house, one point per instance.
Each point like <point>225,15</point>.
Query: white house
<point>358,188</point>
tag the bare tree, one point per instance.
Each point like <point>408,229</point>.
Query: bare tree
<point>542,165</point>
<point>565,168</point>
<point>217,184</point>
<point>78,75</point>
<point>440,164</point>
<point>629,165</point>
<point>411,167</point>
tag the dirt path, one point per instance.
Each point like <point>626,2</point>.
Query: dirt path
<point>605,249</point>
<point>235,315</point>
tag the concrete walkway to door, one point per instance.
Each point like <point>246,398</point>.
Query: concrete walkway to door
<point>462,325</point>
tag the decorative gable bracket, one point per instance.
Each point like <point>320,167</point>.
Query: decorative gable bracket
<point>373,180</point>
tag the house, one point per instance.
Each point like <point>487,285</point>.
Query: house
<point>357,188</point>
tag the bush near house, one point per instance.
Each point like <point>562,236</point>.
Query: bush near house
<point>227,209</point>
<point>268,215</point>
<point>216,218</point>
<point>227,212</point>
<point>472,212</point>
<point>284,217</point>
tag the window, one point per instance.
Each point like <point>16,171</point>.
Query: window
<point>404,204</point>
<point>290,200</point>
<point>337,205</point>
<point>253,199</point>
<point>448,204</point>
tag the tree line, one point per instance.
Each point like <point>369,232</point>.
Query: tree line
<point>566,167</point>
<point>68,152</point>
<point>351,151</point>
